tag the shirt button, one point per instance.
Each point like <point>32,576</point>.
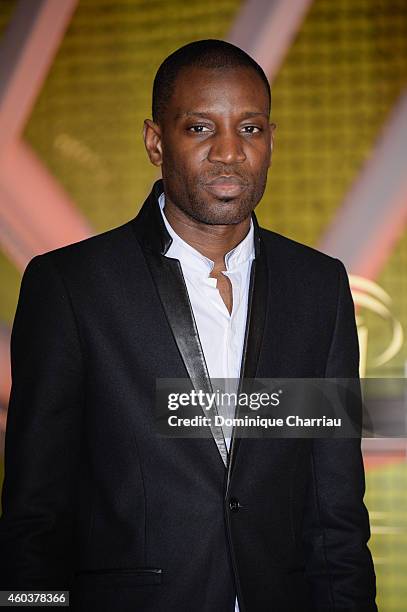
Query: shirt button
<point>234,504</point>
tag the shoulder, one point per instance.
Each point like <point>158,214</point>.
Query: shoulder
<point>93,254</point>
<point>297,258</point>
<point>304,273</point>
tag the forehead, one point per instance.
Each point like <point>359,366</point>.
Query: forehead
<point>221,90</point>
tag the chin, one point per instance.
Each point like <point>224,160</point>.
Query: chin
<point>217,211</point>
<point>234,212</point>
<point>225,219</point>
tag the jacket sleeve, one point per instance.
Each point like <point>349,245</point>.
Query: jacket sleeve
<point>43,434</point>
<point>336,530</point>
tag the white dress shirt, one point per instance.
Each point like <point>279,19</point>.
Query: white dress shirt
<point>221,333</point>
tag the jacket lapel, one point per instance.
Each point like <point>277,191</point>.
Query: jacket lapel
<point>257,308</point>
<point>169,281</point>
<point>255,324</point>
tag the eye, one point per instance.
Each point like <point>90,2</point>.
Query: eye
<point>199,129</point>
<point>251,129</point>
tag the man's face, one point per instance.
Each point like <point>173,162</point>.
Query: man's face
<point>214,144</point>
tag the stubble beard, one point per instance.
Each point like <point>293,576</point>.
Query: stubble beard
<point>210,210</point>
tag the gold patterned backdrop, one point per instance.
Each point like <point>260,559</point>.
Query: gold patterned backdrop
<point>343,74</point>
<point>340,79</point>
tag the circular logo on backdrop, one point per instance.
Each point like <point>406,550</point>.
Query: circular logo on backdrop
<point>369,296</point>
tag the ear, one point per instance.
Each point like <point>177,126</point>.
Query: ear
<point>152,141</point>
<point>272,128</point>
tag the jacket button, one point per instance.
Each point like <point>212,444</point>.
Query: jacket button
<point>234,504</point>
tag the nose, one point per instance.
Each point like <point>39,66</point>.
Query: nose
<point>227,148</point>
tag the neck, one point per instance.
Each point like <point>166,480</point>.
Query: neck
<point>212,241</point>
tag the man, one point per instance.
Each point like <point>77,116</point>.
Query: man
<point>97,502</point>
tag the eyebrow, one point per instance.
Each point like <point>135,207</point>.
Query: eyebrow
<point>246,115</point>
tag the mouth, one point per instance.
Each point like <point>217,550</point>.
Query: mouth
<point>226,186</point>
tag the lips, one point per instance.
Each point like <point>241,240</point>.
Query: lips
<point>226,180</point>
<point>226,186</point>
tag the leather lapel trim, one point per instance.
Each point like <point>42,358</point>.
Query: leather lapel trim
<point>255,323</point>
<point>170,283</point>
<point>256,318</point>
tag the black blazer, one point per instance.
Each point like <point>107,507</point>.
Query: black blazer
<point>96,502</point>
